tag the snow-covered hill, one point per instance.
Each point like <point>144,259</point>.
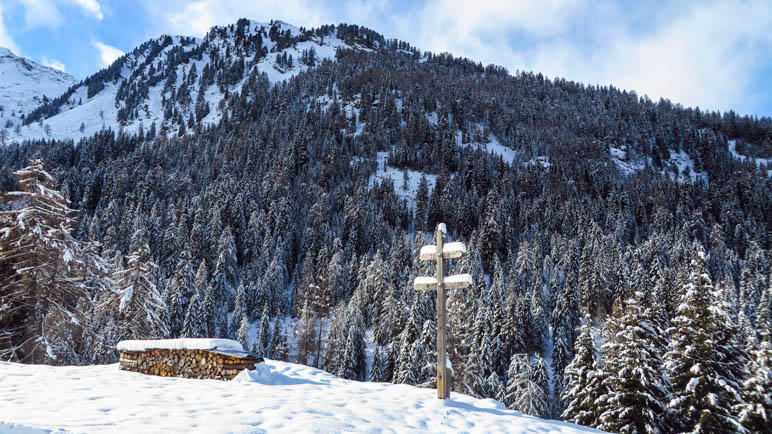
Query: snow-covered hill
<point>175,80</point>
<point>278,397</point>
<point>24,85</point>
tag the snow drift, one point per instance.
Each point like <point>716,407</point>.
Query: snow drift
<point>278,397</point>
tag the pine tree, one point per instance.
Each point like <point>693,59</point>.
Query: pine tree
<point>194,325</point>
<point>181,290</point>
<point>263,339</point>
<point>704,364</point>
<point>243,333</point>
<point>376,369</point>
<point>637,392</point>
<point>584,387</point>
<point>140,304</point>
<point>44,273</point>
<point>755,411</point>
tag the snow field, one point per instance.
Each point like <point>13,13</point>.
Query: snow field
<point>277,397</point>
<point>397,176</point>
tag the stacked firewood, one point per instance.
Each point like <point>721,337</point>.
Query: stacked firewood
<point>186,363</point>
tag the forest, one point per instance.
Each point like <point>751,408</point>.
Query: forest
<point>613,287</point>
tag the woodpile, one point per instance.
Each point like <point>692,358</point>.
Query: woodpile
<point>200,364</point>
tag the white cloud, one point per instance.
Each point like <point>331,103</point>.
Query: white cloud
<point>196,18</point>
<point>46,13</point>
<point>52,63</point>
<point>41,13</point>
<point>90,6</point>
<point>5,39</point>
<point>107,53</point>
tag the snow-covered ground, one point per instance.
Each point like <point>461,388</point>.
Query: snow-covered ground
<point>493,146</point>
<point>679,161</point>
<point>397,177</point>
<point>277,397</point>
<point>759,161</point>
<point>23,85</point>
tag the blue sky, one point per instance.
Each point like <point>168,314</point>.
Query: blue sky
<point>713,54</point>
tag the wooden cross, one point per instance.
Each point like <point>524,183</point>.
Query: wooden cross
<point>440,283</point>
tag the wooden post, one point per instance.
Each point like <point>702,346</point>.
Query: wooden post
<point>439,252</point>
<point>442,370</point>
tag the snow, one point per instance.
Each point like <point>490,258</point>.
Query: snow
<point>541,160</point>
<point>23,83</point>
<point>493,146</point>
<point>759,161</point>
<point>459,278</point>
<point>180,344</point>
<point>424,280</point>
<point>430,249</point>
<point>627,166</point>
<point>278,397</point>
<point>101,110</point>
<point>456,246</point>
<point>683,162</point>
<point>674,167</point>
<point>126,298</point>
<point>396,175</point>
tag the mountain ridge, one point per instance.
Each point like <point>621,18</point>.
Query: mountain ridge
<point>170,80</point>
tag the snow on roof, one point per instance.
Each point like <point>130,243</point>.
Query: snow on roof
<point>180,344</point>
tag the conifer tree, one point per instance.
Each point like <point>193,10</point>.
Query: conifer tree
<point>704,364</point>
<point>194,325</point>
<point>376,369</point>
<point>242,335</point>
<point>633,360</point>
<point>583,381</point>
<point>45,275</point>
<point>755,411</point>
<point>140,304</point>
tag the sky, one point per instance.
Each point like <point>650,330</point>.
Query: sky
<point>715,54</point>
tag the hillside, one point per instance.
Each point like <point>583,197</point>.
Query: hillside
<point>25,85</point>
<point>173,82</point>
<point>278,397</point>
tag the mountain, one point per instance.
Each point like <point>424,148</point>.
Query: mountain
<point>25,85</point>
<point>277,397</point>
<point>175,82</point>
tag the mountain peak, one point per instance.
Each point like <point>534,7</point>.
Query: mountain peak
<point>24,85</point>
<point>187,80</point>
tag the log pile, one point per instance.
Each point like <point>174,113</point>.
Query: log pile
<point>200,364</point>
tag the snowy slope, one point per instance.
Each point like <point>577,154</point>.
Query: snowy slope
<point>278,397</point>
<point>169,64</point>
<point>24,84</point>
<point>760,162</point>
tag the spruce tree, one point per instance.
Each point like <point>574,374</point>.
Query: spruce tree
<point>45,275</point>
<point>704,364</point>
<point>633,359</point>
<point>755,411</point>
<point>584,387</point>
